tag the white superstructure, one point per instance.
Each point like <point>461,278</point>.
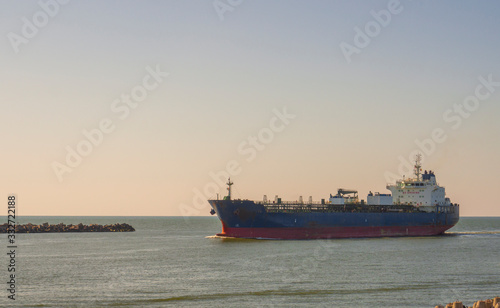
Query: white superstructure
<point>422,190</point>
<point>379,199</point>
<point>344,196</point>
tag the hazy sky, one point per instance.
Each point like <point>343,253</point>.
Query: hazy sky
<point>126,107</point>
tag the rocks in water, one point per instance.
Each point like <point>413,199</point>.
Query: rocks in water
<point>452,305</point>
<point>489,303</point>
<point>45,227</point>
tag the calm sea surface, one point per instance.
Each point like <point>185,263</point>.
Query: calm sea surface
<point>169,261</point>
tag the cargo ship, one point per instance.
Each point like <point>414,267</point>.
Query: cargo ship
<point>416,206</point>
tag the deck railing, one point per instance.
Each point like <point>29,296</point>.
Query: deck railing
<point>294,207</point>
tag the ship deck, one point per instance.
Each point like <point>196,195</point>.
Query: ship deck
<point>293,207</point>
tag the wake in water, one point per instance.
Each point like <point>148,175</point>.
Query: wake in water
<point>472,232</point>
<point>227,238</point>
<point>218,236</point>
<point>446,233</point>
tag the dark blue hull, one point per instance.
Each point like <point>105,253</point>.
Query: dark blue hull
<point>246,219</point>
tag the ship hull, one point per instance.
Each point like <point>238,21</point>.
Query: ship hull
<point>246,219</point>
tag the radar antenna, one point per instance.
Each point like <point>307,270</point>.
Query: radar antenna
<point>229,183</point>
<point>418,166</point>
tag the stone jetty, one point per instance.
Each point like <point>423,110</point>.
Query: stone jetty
<point>45,228</point>
<point>489,303</point>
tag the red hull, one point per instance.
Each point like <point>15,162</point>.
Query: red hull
<point>332,232</point>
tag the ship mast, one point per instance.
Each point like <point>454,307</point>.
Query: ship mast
<point>418,166</point>
<point>229,183</point>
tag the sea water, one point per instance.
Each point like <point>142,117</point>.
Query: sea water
<point>176,262</point>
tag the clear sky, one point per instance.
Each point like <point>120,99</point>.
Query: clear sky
<point>334,93</point>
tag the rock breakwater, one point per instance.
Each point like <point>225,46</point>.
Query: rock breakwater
<point>489,303</point>
<point>46,228</point>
